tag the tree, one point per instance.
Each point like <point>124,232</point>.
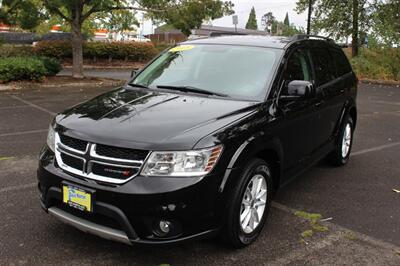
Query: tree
<point>286,21</point>
<point>281,29</point>
<point>118,20</point>
<point>386,21</point>
<point>252,21</point>
<point>267,20</point>
<point>24,13</point>
<point>183,14</point>
<point>339,19</point>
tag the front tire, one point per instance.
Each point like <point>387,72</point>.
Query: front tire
<point>248,204</point>
<point>341,154</point>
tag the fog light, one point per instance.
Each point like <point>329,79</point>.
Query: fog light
<point>165,226</point>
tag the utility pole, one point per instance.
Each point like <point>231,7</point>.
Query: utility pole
<point>309,16</point>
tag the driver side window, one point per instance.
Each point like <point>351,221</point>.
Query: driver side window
<point>298,67</point>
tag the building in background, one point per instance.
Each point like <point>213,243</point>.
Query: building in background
<point>4,27</point>
<point>56,29</point>
<point>169,35</point>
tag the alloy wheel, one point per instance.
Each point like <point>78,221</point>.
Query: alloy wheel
<point>253,203</point>
<point>346,142</point>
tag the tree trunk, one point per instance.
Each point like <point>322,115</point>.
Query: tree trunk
<point>77,50</point>
<point>354,42</point>
<point>77,39</point>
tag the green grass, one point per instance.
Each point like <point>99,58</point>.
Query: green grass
<point>314,224</point>
<point>307,233</point>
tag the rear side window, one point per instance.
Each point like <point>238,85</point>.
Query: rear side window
<point>342,63</point>
<point>323,65</point>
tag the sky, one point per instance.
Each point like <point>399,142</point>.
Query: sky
<point>242,10</point>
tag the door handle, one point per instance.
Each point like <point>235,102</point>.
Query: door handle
<point>317,104</point>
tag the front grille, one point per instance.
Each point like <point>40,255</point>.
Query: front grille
<point>73,162</point>
<point>118,172</point>
<point>73,143</point>
<point>121,153</point>
<point>103,163</point>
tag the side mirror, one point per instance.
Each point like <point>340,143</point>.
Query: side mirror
<point>134,72</point>
<point>299,88</point>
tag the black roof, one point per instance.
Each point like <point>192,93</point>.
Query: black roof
<point>278,42</point>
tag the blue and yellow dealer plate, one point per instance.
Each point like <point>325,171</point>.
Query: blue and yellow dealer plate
<point>77,198</point>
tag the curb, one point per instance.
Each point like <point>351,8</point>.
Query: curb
<point>105,67</point>
<point>109,82</point>
<point>381,82</point>
<point>89,84</point>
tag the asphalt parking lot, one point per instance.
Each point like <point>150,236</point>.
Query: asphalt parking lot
<point>363,209</point>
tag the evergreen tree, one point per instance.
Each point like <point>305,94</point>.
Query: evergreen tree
<point>286,21</point>
<point>252,22</point>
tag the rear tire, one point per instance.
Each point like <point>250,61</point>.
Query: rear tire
<point>248,205</point>
<point>341,154</point>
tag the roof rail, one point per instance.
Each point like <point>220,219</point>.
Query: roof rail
<point>299,37</point>
<point>218,34</point>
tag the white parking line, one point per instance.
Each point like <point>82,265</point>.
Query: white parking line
<point>378,148</point>
<point>23,132</point>
<point>14,107</point>
<point>387,102</point>
<point>18,187</point>
<point>33,105</point>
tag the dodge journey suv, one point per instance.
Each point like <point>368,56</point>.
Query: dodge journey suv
<point>198,142</point>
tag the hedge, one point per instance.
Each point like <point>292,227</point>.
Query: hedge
<point>377,63</point>
<point>27,68</point>
<point>16,50</point>
<point>133,51</point>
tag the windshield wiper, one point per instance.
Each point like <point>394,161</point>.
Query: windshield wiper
<point>191,89</point>
<point>138,85</point>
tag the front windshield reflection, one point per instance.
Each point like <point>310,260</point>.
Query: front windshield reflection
<point>237,71</point>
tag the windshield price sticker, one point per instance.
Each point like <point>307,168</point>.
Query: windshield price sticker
<point>181,48</point>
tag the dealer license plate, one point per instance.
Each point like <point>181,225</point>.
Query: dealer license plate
<point>77,198</point>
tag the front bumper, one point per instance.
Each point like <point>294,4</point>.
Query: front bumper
<point>129,213</point>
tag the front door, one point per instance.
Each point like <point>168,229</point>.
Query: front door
<point>298,116</point>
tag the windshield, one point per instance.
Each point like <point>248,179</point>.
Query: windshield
<point>236,71</point>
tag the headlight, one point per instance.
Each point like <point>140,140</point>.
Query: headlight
<point>51,142</point>
<point>182,163</point>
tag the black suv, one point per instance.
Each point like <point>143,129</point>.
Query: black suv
<point>198,142</point>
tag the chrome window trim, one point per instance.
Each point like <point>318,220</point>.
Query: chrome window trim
<point>60,148</point>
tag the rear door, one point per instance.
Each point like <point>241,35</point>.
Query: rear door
<point>329,88</point>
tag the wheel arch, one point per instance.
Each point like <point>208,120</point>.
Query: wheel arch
<point>353,115</point>
<point>350,109</point>
<point>270,150</point>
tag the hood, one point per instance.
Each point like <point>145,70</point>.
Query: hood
<point>148,119</point>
